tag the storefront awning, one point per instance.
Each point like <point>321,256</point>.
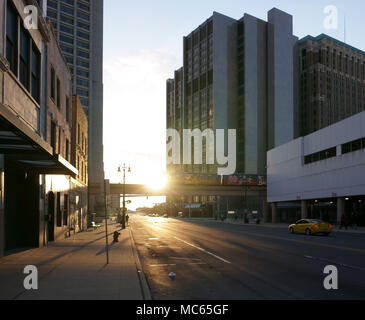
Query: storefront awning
<point>20,144</point>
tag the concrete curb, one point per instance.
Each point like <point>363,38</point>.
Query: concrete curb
<point>146,292</point>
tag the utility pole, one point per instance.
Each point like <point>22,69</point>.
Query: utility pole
<point>106,224</point>
<point>124,202</point>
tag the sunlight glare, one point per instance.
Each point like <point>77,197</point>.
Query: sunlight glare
<point>157,181</point>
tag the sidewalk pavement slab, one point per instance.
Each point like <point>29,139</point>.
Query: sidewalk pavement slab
<point>75,269</point>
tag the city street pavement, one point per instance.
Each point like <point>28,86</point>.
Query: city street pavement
<point>336,229</point>
<point>221,261</point>
<point>75,269</point>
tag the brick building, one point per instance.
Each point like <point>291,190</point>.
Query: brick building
<point>33,152</point>
<point>79,159</point>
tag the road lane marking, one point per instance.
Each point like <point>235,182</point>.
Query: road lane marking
<point>161,265</point>
<point>335,263</point>
<point>304,242</point>
<point>174,264</point>
<point>203,250</point>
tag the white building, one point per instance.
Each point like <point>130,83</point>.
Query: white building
<point>322,171</point>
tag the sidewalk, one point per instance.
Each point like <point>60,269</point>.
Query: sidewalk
<point>359,230</point>
<point>75,269</point>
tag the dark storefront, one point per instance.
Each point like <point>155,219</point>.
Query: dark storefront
<point>24,158</point>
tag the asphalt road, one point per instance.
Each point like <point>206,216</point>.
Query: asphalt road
<point>214,261</point>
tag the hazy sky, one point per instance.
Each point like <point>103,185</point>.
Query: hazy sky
<point>143,47</point>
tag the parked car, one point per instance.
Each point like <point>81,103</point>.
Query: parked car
<point>311,227</point>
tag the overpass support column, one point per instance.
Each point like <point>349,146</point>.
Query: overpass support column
<point>274,211</point>
<point>304,210</point>
<point>340,209</point>
<point>266,211</point>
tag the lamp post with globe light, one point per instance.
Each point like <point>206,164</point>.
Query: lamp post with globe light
<point>124,168</point>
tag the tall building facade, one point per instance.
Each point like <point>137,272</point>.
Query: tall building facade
<point>35,133</point>
<point>240,75</point>
<point>79,29</point>
<point>332,82</point>
<point>234,78</point>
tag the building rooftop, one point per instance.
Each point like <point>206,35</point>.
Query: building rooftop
<point>325,36</point>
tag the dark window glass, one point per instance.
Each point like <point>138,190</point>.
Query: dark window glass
<point>65,210</point>
<point>356,145</point>
<point>36,73</point>
<point>11,38</point>
<point>315,157</point>
<point>66,39</point>
<point>59,213</point>
<point>53,135</point>
<point>67,10</point>
<point>58,93</point>
<point>67,109</point>
<point>308,159</point>
<point>24,60</point>
<point>346,148</point>
<point>53,79</point>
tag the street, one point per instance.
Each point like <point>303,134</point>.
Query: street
<point>216,261</point>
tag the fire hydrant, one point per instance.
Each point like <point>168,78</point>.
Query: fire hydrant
<point>116,236</point>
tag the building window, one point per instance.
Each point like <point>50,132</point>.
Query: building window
<point>11,38</point>
<point>322,155</point>
<point>65,210</point>
<point>78,134</point>
<point>53,79</point>
<point>24,58</point>
<point>36,73</point>
<point>67,109</point>
<point>53,135</point>
<point>67,149</point>
<point>58,93</point>
<point>59,213</point>
<point>59,140</point>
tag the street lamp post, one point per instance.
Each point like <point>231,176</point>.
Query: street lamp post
<point>124,168</point>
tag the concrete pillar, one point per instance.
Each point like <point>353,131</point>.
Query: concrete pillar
<point>304,210</point>
<point>265,211</point>
<point>340,209</point>
<point>274,212</point>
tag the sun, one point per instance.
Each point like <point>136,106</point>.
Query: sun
<point>157,181</point>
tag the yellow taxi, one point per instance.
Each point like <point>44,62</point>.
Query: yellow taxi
<point>311,227</point>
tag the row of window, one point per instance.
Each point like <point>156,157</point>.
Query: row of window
<point>56,93</point>
<point>346,148</point>
<point>65,9</point>
<point>337,61</point>
<point>353,146</point>
<point>322,155</point>
<point>22,54</point>
<point>56,142</point>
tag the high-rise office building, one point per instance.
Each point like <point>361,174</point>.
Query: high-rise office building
<point>332,82</point>
<point>238,75</point>
<point>79,28</point>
